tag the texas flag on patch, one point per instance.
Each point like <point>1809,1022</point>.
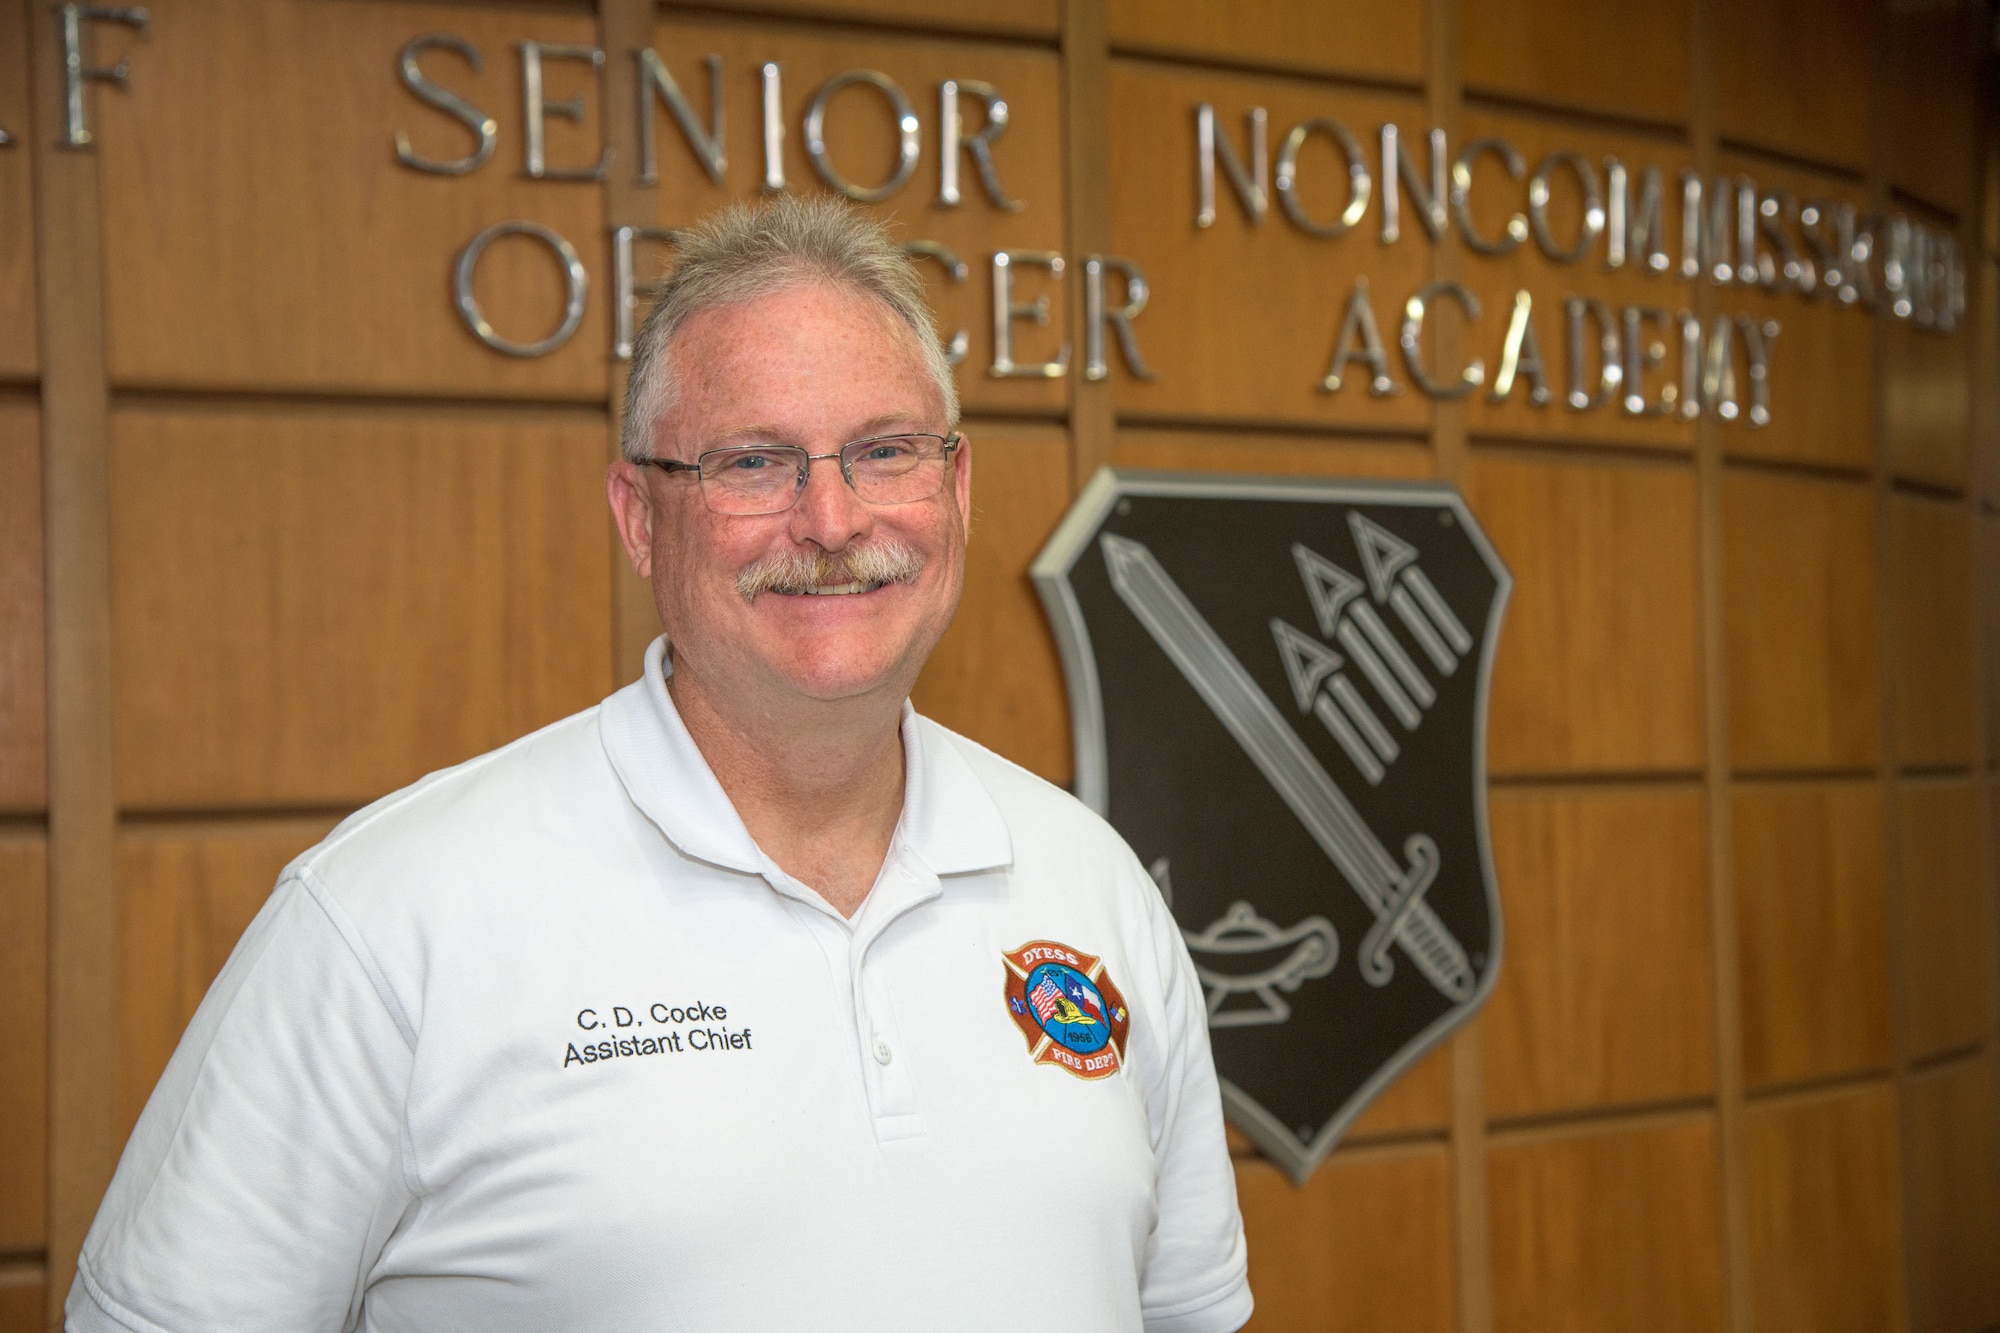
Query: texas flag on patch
<point>1080,993</point>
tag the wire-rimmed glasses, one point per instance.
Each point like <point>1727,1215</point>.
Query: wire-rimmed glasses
<point>748,479</point>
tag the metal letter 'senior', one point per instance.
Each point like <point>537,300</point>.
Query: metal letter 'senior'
<point>707,144</point>
<point>956,346</point>
<point>484,127</point>
<point>909,135</point>
<point>1359,183</point>
<point>1006,310</point>
<point>1211,143</point>
<point>625,300</point>
<point>771,85</point>
<point>576,281</point>
<point>952,140</point>
<point>1096,314</point>
<point>1592,225</point>
<point>1412,340</point>
<point>1384,886</point>
<point>76,129</point>
<point>536,110</point>
<point>1516,230</point>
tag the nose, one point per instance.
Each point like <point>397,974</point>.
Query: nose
<point>829,514</point>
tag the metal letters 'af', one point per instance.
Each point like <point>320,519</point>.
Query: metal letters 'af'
<point>1279,696</point>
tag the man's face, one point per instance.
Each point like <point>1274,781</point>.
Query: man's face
<point>815,367</point>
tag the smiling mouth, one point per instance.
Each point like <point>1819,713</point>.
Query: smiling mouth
<point>836,589</point>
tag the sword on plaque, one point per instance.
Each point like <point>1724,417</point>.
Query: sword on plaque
<point>1392,892</point>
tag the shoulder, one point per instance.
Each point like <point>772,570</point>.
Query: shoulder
<point>1036,810</point>
<point>483,813</point>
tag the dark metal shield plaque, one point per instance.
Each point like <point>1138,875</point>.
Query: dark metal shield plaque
<point>1279,690</point>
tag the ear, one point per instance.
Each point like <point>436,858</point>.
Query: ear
<point>626,486</point>
<point>962,480</point>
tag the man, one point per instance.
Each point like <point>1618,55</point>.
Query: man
<point>745,1000</point>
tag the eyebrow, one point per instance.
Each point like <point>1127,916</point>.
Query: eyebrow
<point>887,423</point>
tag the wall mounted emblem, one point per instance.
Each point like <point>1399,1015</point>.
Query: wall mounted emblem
<point>1278,690</point>
<point>1067,1007</point>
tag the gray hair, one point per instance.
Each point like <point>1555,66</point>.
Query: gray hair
<point>743,253</point>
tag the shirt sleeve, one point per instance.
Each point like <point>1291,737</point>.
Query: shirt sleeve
<point>268,1168</point>
<point>1197,1267</point>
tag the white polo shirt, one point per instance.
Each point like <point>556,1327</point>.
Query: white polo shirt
<point>546,1042</point>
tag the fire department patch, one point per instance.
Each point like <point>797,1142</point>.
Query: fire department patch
<point>1067,1007</point>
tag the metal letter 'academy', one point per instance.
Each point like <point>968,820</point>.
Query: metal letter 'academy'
<point>1279,695</point>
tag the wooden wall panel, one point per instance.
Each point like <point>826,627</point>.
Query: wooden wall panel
<point>311,608</point>
<point>1288,455</point>
<point>1364,1247</point>
<point>257,237</point>
<point>1604,996</point>
<point>1947,923</point>
<point>1244,316</point>
<point>24,1088</point>
<point>1822,383</point>
<point>1927,405</point>
<point>1629,60</point>
<point>24,762</point>
<point>1796,75</point>
<point>1989,628</point>
<point>23,1297</point>
<point>1812,929</point>
<point>1955,1199</point>
<point>861,134</point>
<point>1598,666</point>
<point>1799,614</point>
<point>995,676</point>
<point>1826,1249</point>
<point>1607,1227</point>
<point>1981,333</point>
<point>19,355</point>
<point>185,894</point>
<point>1931,112</point>
<point>1417,1102</point>
<point>1378,41</point>
<point>1027,18</point>
<point>1495,198</point>
<point>1933,619</point>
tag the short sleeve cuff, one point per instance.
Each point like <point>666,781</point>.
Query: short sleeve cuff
<point>1228,1311</point>
<point>90,1310</point>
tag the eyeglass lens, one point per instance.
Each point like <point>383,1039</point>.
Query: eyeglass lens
<point>764,479</point>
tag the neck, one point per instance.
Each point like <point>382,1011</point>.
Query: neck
<point>819,785</point>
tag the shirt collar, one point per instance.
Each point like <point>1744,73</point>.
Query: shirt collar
<point>949,820</point>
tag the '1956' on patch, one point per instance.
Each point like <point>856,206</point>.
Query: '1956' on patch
<point>1068,1008</point>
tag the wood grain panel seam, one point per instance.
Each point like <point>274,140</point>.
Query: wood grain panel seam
<point>1820,1087</point>
<point>1794,469</point>
<point>1086,140</point>
<point>1570,780</point>
<point>1778,157</point>
<point>1725,963</point>
<point>1484,99</point>
<point>1386,434</point>
<point>82,882</point>
<point>792,23</point>
<point>1597,1122</point>
<point>1542,448</point>
<point>181,398</point>
<point>1939,1061</point>
<point>1336,80</point>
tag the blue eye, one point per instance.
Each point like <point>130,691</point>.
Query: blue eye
<point>751,462</point>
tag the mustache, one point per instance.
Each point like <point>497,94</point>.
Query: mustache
<point>884,560</point>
